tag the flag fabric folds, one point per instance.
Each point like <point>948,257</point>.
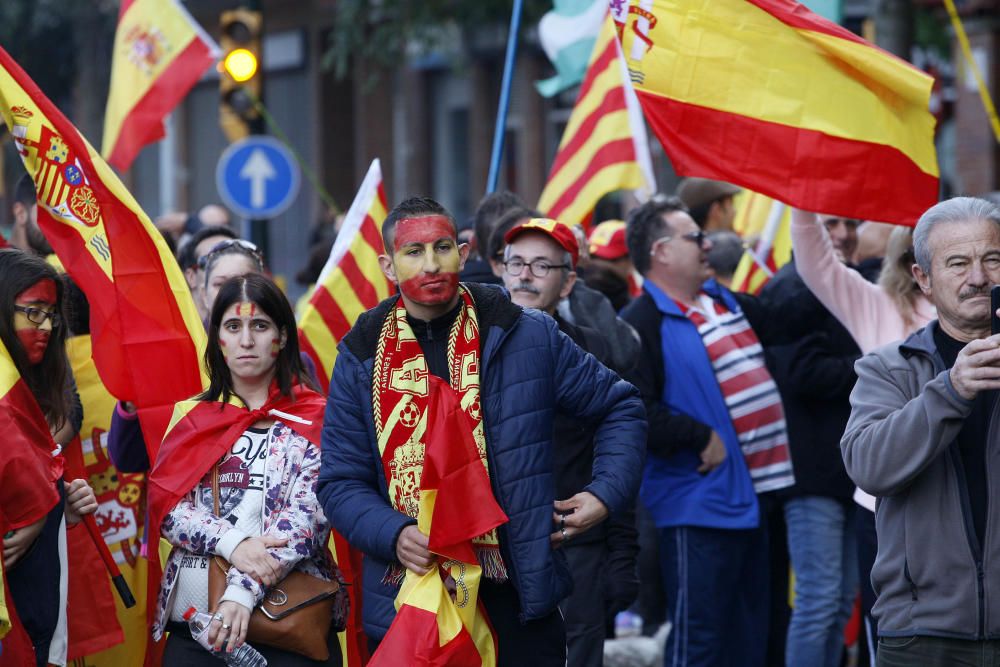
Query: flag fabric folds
<point>147,338</point>
<point>765,223</point>
<point>351,281</point>
<point>603,147</point>
<point>768,95</point>
<point>456,505</point>
<point>28,475</point>
<point>160,53</point>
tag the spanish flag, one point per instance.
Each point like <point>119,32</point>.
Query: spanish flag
<point>160,52</point>
<point>431,627</point>
<point>766,223</point>
<point>147,338</point>
<point>604,145</point>
<point>351,281</point>
<point>28,476</point>
<point>768,95</point>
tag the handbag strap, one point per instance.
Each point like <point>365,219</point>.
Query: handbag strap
<point>217,560</point>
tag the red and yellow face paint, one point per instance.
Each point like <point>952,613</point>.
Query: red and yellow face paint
<point>426,259</point>
<point>35,337</point>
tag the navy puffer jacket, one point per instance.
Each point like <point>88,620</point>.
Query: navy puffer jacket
<point>528,368</point>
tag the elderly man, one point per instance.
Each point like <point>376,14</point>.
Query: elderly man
<point>514,369</point>
<point>922,439</point>
<point>539,262</point>
<point>716,439</point>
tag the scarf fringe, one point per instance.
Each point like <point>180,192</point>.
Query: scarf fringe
<point>489,559</point>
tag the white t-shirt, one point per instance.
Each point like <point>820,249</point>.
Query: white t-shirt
<point>241,503</point>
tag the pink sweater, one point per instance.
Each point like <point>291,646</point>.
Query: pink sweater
<point>865,310</point>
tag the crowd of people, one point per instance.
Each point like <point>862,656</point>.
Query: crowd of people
<point>661,446</point>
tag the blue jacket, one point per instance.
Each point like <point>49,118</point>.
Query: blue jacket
<point>528,368</point>
<point>673,490</point>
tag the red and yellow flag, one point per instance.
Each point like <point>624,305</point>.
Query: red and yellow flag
<point>604,145</point>
<point>768,95</point>
<point>160,53</point>
<point>456,505</point>
<point>765,223</point>
<point>28,475</point>
<point>147,338</point>
<point>351,281</point>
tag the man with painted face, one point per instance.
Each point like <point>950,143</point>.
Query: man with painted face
<point>514,370</point>
<point>540,261</point>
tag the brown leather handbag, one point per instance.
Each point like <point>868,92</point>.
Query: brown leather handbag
<point>296,614</point>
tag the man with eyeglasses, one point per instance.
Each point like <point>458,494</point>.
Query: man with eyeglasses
<point>511,369</point>
<point>539,271</point>
<point>716,439</point>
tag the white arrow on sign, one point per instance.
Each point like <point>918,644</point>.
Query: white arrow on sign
<point>258,170</point>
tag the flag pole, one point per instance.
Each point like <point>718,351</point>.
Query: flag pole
<point>508,75</point>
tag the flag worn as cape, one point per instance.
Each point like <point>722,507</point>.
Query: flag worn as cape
<point>351,281</point>
<point>199,434</point>
<point>147,337</point>
<point>160,53</point>
<point>768,95</point>
<point>456,505</point>
<point>28,475</point>
<point>603,147</point>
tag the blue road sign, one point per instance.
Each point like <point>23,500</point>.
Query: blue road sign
<point>257,177</point>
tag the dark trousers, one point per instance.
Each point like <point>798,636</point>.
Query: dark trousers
<point>651,604</point>
<point>717,588</point>
<point>867,550</point>
<point>584,610</point>
<point>937,652</point>
<point>183,651</point>
<point>539,643</point>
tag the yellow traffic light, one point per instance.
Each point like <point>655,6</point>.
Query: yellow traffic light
<point>240,64</point>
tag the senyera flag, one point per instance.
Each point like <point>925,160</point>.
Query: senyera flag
<point>603,147</point>
<point>147,338</point>
<point>28,474</point>
<point>160,53</point>
<point>768,95</point>
<point>435,626</point>
<point>351,281</point>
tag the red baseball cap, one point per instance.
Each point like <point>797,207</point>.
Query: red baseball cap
<point>607,240</point>
<point>559,232</point>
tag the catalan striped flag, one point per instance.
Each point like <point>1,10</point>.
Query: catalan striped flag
<point>28,474</point>
<point>604,145</point>
<point>147,338</point>
<point>768,95</point>
<point>765,223</point>
<point>160,52</point>
<point>351,281</point>
<point>456,505</point>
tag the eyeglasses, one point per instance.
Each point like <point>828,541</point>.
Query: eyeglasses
<point>238,244</point>
<point>37,316</point>
<point>698,238</point>
<point>539,268</point>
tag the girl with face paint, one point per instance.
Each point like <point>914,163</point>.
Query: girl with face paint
<point>266,479</point>
<point>33,332</point>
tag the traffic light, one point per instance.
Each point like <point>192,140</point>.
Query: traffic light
<point>240,73</point>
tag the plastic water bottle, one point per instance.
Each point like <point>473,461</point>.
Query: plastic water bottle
<point>627,624</point>
<point>244,656</point>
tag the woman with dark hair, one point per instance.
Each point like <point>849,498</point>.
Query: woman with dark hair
<point>236,477</point>
<point>33,332</point>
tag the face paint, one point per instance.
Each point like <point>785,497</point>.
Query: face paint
<point>275,347</point>
<point>35,337</point>
<point>246,309</point>
<point>427,272</point>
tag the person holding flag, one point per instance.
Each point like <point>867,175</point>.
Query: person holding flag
<point>508,370</point>
<point>33,368</point>
<point>236,478</point>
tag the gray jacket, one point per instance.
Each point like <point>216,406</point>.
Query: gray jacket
<point>931,575</point>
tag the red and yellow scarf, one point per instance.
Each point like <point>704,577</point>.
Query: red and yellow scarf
<point>400,398</point>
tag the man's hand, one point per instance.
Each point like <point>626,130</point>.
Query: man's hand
<point>713,455</point>
<point>15,546</point>
<point>576,515</point>
<point>251,558</point>
<point>80,500</point>
<point>412,551</point>
<point>977,367</point>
